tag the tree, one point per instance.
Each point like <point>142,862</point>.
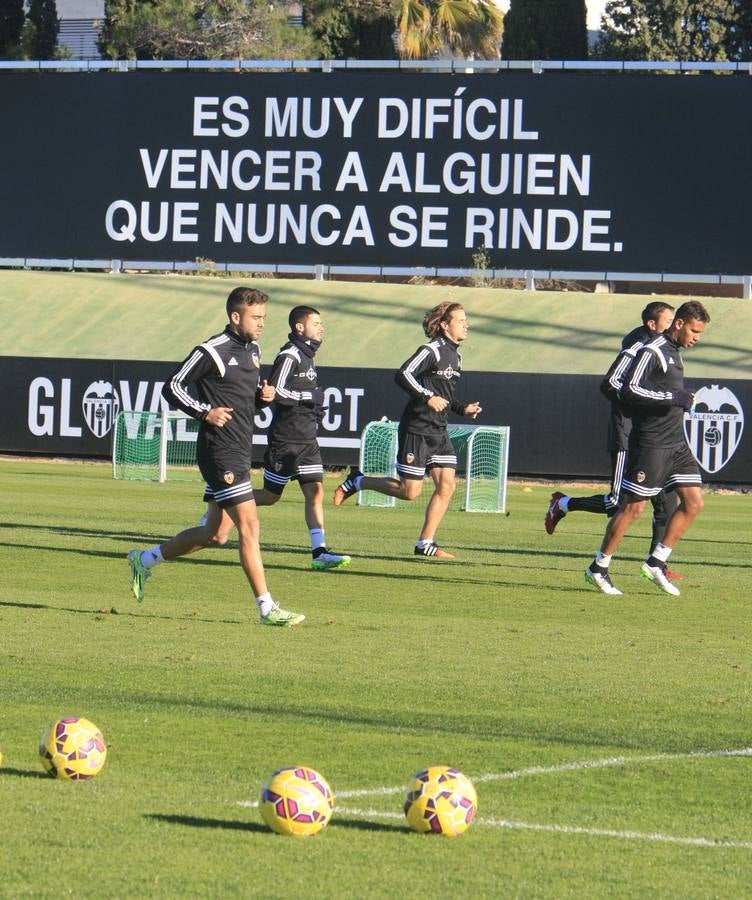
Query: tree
<point>11,26</point>
<point>201,29</point>
<point>470,28</point>
<point>545,29</point>
<point>42,27</point>
<point>669,30</point>
<point>354,29</point>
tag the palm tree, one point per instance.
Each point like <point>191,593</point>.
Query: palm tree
<point>470,28</point>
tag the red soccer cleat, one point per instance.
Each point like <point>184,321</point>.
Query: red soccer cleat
<point>554,514</point>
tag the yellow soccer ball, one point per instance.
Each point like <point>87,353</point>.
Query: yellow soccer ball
<point>297,801</point>
<point>440,800</point>
<point>73,748</point>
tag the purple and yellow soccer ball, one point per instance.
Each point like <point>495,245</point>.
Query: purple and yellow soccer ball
<point>440,800</point>
<point>296,800</point>
<point>73,748</point>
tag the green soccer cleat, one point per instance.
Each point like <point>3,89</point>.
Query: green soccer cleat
<point>659,579</point>
<point>139,574</point>
<point>325,559</point>
<point>282,618</point>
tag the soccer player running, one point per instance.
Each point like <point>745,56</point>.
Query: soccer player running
<point>218,383</point>
<point>658,454</point>
<point>656,317</point>
<point>294,452</point>
<point>430,379</point>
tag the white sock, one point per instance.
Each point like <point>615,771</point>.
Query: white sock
<point>564,504</point>
<point>424,543</point>
<point>661,552</point>
<point>151,558</point>
<point>603,559</point>
<point>358,481</point>
<point>265,604</point>
<point>317,538</point>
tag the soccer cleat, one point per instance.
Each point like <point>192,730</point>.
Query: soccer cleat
<point>347,488</point>
<point>601,581</point>
<point>432,549</point>
<point>139,574</point>
<point>554,514</point>
<point>672,576</point>
<point>657,576</point>
<point>282,618</point>
<point>325,559</point>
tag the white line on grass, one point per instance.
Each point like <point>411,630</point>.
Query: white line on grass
<point>614,761</point>
<point>581,765</point>
<point>570,829</point>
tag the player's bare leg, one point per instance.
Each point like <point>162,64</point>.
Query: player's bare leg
<point>198,537</point>
<point>322,558</point>
<point>245,518</point>
<point>444,483</point>
<point>222,534</point>
<point>403,489</point>
<point>690,506</point>
<point>597,572</point>
<point>265,498</point>
<point>620,523</point>
<point>313,495</point>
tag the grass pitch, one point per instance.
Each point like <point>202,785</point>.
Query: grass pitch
<point>160,317</point>
<point>607,737</point>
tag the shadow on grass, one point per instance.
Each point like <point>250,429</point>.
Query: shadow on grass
<point>366,825</point>
<point>85,532</point>
<point>23,773</point>
<point>197,822</point>
<point>235,825</point>
<point>101,613</point>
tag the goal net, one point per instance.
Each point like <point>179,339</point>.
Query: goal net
<point>482,461</point>
<point>152,446</point>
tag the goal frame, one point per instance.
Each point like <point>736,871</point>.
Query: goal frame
<point>475,433</point>
<point>165,418</point>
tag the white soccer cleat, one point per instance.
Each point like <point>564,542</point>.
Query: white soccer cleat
<point>658,577</point>
<point>602,582</point>
<point>325,559</point>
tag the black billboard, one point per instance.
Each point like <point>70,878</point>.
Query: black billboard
<point>557,422</point>
<point>567,171</point>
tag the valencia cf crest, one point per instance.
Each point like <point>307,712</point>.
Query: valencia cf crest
<point>640,477</point>
<point>101,405</point>
<point>229,477</point>
<point>277,465</point>
<point>410,458</point>
<point>255,360</point>
<point>714,427</point>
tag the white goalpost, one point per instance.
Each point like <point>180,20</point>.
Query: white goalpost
<point>152,446</point>
<point>482,464</point>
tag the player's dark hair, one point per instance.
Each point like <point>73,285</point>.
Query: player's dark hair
<point>654,309</point>
<point>692,309</point>
<point>242,297</point>
<point>300,314</point>
<point>434,317</point>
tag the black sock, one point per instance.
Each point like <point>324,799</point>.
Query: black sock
<point>595,504</point>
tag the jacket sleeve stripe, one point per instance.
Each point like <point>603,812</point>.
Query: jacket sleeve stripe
<point>216,357</point>
<point>414,365</point>
<point>177,390</point>
<point>281,383</point>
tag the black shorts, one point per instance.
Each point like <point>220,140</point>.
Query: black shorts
<point>283,462</point>
<point>419,452</point>
<point>651,469</point>
<point>228,482</point>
